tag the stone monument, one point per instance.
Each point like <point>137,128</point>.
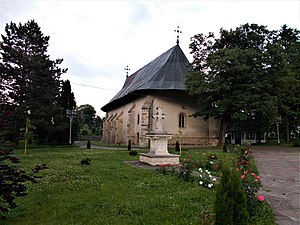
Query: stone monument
<point>158,154</point>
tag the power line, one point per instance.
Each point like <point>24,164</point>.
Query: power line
<point>85,85</point>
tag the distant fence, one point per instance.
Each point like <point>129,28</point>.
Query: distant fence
<point>91,138</point>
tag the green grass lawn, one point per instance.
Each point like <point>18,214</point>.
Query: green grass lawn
<point>109,191</point>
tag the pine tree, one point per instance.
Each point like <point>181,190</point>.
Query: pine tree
<point>32,79</point>
<point>230,201</point>
<point>67,101</point>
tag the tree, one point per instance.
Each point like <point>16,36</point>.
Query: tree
<point>67,102</point>
<point>32,79</point>
<point>230,202</point>
<point>231,77</point>
<point>285,60</point>
<point>86,115</point>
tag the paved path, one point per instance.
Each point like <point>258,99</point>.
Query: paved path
<point>280,174</point>
<point>82,144</point>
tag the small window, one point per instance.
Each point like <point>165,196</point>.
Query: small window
<point>181,120</point>
<point>138,119</point>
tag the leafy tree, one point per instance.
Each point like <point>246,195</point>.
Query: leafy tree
<point>232,77</point>
<point>98,125</point>
<point>284,61</point>
<point>32,79</point>
<point>86,115</point>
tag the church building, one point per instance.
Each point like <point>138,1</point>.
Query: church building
<point>159,84</point>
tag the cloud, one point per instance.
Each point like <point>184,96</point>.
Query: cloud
<point>97,39</point>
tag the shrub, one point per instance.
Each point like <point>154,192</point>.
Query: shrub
<point>88,145</point>
<point>224,147</point>
<point>133,153</point>
<point>230,202</point>
<point>186,170</point>
<point>206,179</point>
<point>129,145</point>
<point>177,148</point>
<point>12,180</point>
<point>297,142</point>
<point>86,161</point>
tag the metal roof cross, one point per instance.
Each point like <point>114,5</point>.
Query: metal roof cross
<point>178,32</point>
<point>127,69</point>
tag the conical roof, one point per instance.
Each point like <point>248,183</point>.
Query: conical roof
<point>166,72</point>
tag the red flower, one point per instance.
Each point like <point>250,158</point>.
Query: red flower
<point>247,162</point>
<point>245,172</point>
<point>260,198</point>
<point>243,177</point>
<point>190,157</point>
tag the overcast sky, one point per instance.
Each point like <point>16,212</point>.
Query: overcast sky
<point>97,39</point>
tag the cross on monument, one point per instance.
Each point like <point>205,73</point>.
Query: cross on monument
<point>159,116</point>
<point>127,69</point>
<point>178,32</point>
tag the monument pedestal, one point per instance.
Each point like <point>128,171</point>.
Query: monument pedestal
<point>158,153</point>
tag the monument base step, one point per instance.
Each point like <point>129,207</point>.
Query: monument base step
<point>161,159</point>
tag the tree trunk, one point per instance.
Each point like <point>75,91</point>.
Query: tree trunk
<point>287,130</point>
<point>222,131</point>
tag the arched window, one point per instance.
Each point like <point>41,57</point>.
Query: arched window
<point>181,120</point>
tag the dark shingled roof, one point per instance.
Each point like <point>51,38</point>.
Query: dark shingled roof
<point>166,72</point>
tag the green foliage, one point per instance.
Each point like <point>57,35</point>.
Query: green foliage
<point>12,179</point>
<point>186,170</point>
<point>230,201</point>
<point>225,148</point>
<point>32,81</point>
<point>247,75</point>
<point>133,153</point>
<point>85,130</point>
<point>297,142</point>
<point>67,102</point>
<point>90,124</point>
<point>88,144</point>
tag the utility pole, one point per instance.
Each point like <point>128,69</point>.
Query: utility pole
<point>71,114</point>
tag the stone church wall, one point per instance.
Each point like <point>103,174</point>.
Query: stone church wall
<point>133,120</point>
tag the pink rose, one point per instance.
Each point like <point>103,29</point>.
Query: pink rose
<point>256,180</point>
<point>253,174</point>
<point>245,172</point>
<point>260,198</point>
<point>243,176</point>
<point>257,177</point>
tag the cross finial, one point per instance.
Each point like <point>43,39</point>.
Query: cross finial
<point>127,69</point>
<point>178,32</point>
